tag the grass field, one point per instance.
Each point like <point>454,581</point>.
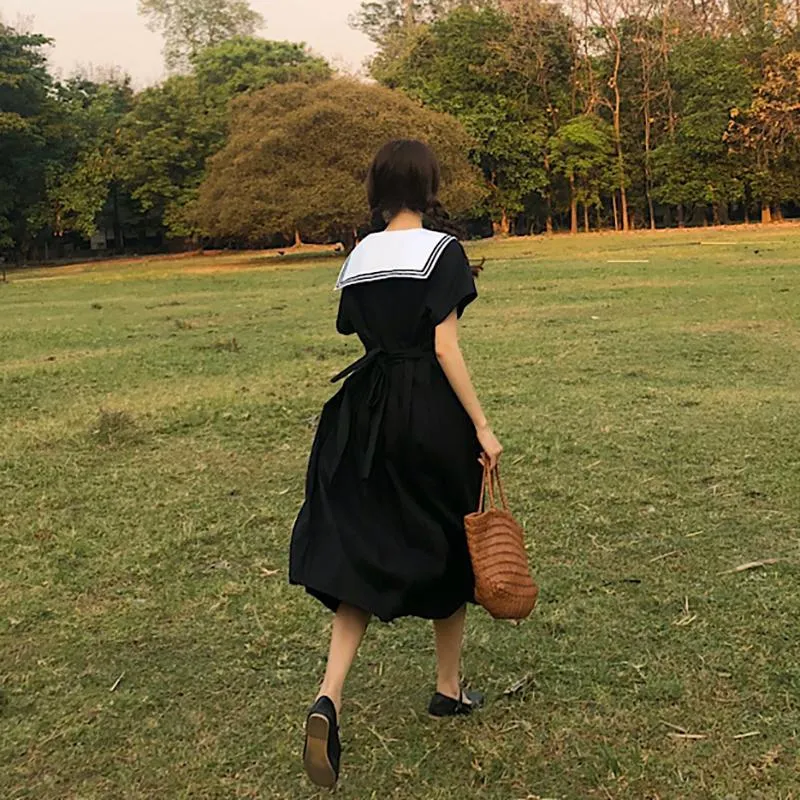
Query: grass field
<point>156,419</point>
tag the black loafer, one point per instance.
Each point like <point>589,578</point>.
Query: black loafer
<point>443,706</point>
<point>322,751</point>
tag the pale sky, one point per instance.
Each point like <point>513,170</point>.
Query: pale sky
<point>103,33</point>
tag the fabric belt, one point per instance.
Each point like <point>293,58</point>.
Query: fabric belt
<point>377,361</point>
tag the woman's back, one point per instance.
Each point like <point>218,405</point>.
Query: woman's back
<point>399,313</point>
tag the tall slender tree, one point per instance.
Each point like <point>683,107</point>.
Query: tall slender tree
<point>607,16</point>
<point>539,55</point>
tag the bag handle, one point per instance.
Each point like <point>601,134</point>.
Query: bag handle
<point>491,477</point>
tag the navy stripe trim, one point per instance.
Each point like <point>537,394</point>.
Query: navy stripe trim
<point>433,259</point>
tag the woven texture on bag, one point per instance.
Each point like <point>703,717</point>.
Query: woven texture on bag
<point>503,582</point>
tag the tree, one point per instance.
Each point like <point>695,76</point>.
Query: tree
<point>164,143</point>
<point>643,77</point>
<point>87,195</point>
<point>27,137</point>
<point>768,131</point>
<point>241,64</point>
<point>607,16</point>
<point>540,55</point>
<point>382,20</point>
<point>298,156</point>
<point>190,26</point>
<point>458,65</point>
<point>694,165</point>
<point>174,128</point>
<point>583,152</point>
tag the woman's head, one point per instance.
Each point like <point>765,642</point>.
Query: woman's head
<point>404,176</point>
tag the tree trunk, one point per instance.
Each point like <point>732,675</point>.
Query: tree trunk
<point>616,211</point>
<point>502,226</point>
<point>766,213</point>
<point>119,244</point>
<point>681,219</point>
<point>573,206</point>
<point>715,211</point>
<point>623,199</point>
<point>298,239</point>
<point>586,218</point>
<point>648,179</point>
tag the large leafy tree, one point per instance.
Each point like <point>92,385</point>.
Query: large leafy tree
<point>582,150</point>
<point>298,156</point>
<point>174,128</point>
<point>767,132</point>
<point>458,65</point>
<point>540,63</point>
<point>243,63</point>
<point>190,26</point>
<point>87,194</point>
<point>694,166</point>
<point>27,137</point>
<point>164,143</point>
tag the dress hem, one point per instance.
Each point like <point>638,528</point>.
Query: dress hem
<point>332,603</point>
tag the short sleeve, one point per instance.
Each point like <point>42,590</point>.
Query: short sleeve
<point>451,286</point>
<point>344,322</point>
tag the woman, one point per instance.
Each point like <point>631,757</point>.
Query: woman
<point>396,462</point>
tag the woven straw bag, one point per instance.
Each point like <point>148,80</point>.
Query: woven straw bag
<point>503,582</point>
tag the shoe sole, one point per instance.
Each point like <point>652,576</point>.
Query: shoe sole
<point>451,716</point>
<point>318,766</point>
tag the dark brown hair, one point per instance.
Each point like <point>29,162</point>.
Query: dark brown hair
<point>405,174</point>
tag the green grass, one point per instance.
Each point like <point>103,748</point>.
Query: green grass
<point>157,417</point>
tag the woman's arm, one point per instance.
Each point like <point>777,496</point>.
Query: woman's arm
<point>448,352</point>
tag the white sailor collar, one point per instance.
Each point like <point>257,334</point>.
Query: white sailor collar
<point>394,254</point>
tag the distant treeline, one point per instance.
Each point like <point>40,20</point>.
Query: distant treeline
<point>612,114</point>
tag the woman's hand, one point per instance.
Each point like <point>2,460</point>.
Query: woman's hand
<point>492,449</point>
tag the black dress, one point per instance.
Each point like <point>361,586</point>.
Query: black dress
<point>394,466</point>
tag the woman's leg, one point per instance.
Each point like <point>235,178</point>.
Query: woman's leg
<point>349,625</point>
<point>449,641</point>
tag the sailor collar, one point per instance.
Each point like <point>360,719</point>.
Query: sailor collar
<point>394,254</point>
